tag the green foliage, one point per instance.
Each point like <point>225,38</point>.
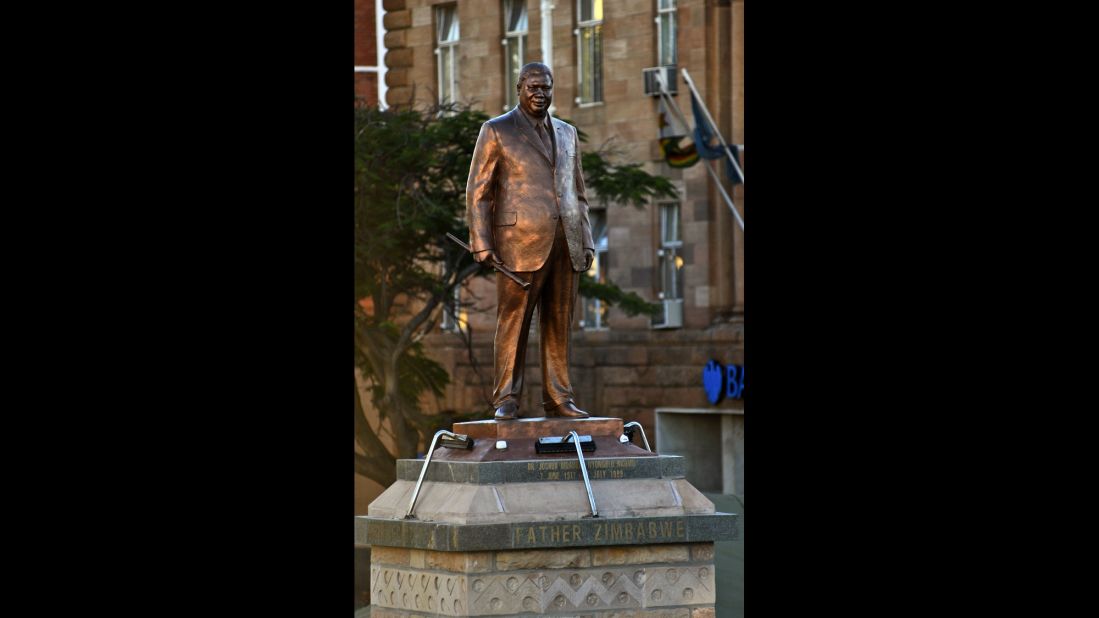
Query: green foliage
<point>416,373</point>
<point>611,294</point>
<point>410,177</point>
<point>623,184</point>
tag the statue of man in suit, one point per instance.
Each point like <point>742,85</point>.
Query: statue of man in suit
<point>526,209</point>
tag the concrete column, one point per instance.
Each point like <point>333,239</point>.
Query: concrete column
<point>718,99</point>
<point>736,136</point>
<point>547,33</point>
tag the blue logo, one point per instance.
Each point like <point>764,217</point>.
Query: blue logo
<point>720,381</point>
<point>713,378</point>
<point>734,381</point>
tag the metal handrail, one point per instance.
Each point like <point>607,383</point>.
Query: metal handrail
<point>423,471</point>
<point>584,470</point>
<point>638,425</point>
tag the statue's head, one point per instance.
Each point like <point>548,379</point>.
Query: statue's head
<point>535,88</point>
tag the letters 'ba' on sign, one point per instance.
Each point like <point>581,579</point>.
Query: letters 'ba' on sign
<point>721,381</point>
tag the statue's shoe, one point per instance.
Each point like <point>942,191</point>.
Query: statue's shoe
<point>569,410</point>
<point>507,411</point>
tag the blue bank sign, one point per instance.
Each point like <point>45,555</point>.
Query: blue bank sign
<point>723,381</point>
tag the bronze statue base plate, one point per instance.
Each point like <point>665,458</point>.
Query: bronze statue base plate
<point>539,427</point>
<point>521,434</point>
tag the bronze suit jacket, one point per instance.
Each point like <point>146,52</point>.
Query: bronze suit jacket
<point>514,195</point>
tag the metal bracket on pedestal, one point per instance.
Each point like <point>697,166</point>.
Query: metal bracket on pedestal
<point>629,434</point>
<point>553,444</point>
<point>584,469</point>
<point>456,440</point>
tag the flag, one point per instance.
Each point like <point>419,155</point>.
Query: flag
<point>675,154</point>
<point>669,126</point>
<point>730,171</point>
<point>671,133</point>
<point>705,135</point>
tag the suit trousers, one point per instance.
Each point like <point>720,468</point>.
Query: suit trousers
<point>553,291</point>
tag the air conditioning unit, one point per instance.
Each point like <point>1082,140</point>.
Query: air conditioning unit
<point>652,86</point>
<point>673,314</point>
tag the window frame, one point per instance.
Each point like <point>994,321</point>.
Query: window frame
<point>596,25</point>
<point>513,37</point>
<point>449,47</point>
<point>600,263</point>
<point>669,251</point>
<point>672,11</point>
<point>451,320</point>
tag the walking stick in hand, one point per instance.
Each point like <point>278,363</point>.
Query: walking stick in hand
<point>499,265</point>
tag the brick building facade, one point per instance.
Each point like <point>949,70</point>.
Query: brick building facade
<point>368,49</point>
<point>622,366</point>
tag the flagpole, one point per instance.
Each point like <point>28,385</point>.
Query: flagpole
<point>713,124</point>
<point>671,104</point>
<point>728,200</point>
<point>706,164</point>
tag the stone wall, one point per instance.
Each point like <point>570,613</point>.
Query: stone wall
<point>654,580</point>
<point>625,374</point>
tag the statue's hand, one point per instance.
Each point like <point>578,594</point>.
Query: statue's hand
<point>488,255</point>
<point>589,257</point>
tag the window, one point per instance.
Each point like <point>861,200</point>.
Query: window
<point>669,258</point>
<point>515,47</point>
<point>594,313</point>
<point>453,318</point>
<point>589,45</point>
<point>446,29</point>
<point>666,50</point>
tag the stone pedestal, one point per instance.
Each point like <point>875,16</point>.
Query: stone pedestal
<point>510,533</point>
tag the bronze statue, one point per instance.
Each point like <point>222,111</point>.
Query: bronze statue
<point>526,209</point>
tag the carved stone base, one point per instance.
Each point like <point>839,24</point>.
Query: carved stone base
<point>649,581</point>
<point>676,612</point>
<point>509,532</point>
<point>668,613</point>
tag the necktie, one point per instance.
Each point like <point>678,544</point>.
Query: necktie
<point>541,130</point>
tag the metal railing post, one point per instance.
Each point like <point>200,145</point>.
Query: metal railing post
<point>638,425</point>
<point>584,469</point>
<point>423,471</point>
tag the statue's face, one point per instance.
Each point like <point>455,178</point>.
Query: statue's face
<point>536,94</point>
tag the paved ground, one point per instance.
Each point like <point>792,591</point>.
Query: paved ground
<point>728,563</point>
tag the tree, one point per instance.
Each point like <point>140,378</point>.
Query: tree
<point>410,176</point>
